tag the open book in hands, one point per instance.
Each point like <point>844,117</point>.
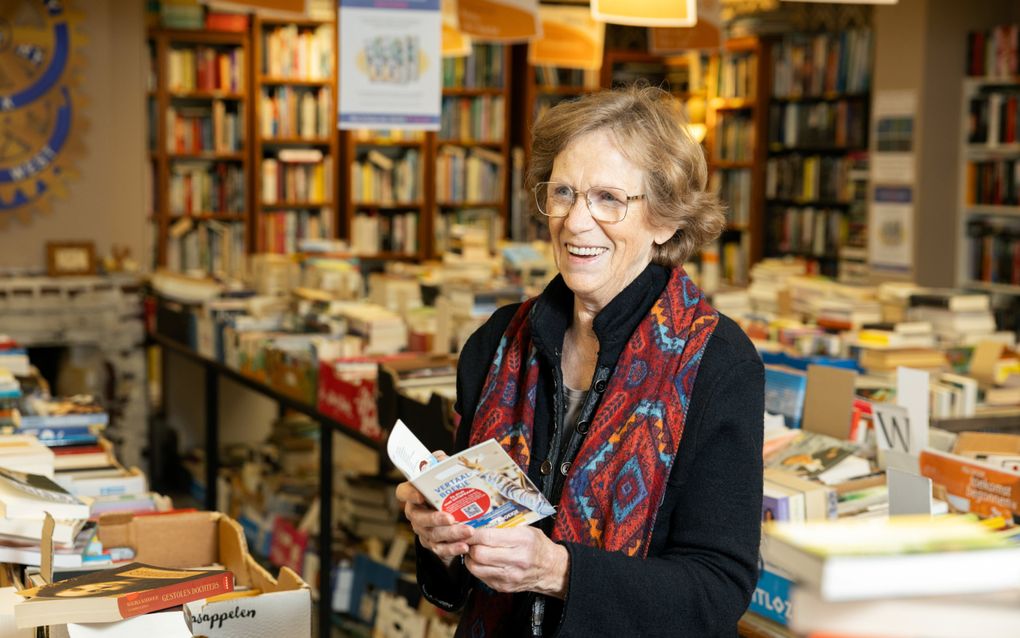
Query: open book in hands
<point>480,487</point>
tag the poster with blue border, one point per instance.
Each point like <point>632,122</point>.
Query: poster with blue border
<point>390,64</point>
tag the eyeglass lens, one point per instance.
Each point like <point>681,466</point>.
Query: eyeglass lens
<point>606,203</point>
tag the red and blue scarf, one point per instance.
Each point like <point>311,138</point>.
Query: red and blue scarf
<point>617,481</point>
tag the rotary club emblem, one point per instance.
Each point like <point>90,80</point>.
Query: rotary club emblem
<point>41,124</point>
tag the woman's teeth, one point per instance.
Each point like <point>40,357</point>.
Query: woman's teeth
<point>586,251</point>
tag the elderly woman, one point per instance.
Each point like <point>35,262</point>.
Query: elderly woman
<point>632,404</point>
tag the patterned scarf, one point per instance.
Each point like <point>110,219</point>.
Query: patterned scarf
<point>616,483</point>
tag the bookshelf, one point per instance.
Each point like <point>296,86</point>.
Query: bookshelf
<point>815,175</point>
<point>198,99</point>
<point>990,188</point>
<point>470,172</point>
<point>386,193</point>
<point>295,150</point>
<point>735,123</point>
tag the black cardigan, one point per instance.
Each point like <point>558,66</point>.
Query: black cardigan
<point>702,562</point>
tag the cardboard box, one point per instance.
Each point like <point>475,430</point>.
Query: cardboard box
<point>196,539</point>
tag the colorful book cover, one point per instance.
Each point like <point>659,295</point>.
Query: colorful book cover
<point>784,393</point>
<point>775,505</point>
<point>973,486</point>
<point>481,486</point>
<point>771,597</point>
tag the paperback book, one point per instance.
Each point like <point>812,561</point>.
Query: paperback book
<point>481,486</point>
<point>115,594</point>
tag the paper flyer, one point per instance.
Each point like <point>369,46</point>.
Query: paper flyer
<point>481,486</point>
<point>390,64</point>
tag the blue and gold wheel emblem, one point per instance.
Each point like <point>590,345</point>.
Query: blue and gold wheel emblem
<point>41,125</point>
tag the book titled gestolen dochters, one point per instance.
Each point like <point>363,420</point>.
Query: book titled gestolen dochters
<point>481,486</point>
<point>114,594</point>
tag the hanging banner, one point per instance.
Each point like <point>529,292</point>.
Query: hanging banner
<point>41,122</point>
<point>570,38</point>
<point>389,64</point>
<point>646,13</point>
<point>499,20</point>
<point>455,43</point>
<point>706,34</point>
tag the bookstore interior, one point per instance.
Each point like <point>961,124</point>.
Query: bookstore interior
<point>243,242</point>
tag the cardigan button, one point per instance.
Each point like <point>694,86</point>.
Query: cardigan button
<point>546,468</point>
<point>583,426</point>
<point>564,468</point>
<point>600,386</point>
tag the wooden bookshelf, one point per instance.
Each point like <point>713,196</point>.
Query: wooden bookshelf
<point>736,119</point>
<point>198,102</point>
<point>294,100</point>
<point>386,221</point>
<point>816,126</point>
<point>474,141</point>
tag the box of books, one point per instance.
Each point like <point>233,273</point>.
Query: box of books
<point>262,606</point>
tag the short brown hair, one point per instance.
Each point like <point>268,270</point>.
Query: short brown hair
<point>650,130</point>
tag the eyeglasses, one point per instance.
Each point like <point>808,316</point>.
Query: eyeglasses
<point>606,203</point>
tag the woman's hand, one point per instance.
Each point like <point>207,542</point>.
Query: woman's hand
<point>519,559</point>
<point>437,531</point>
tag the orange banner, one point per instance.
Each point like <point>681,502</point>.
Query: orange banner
<point>455,43</point>
<point>706,34</point>
<point>646,13</point>
<point>499,20</point>
<point>570,38</point>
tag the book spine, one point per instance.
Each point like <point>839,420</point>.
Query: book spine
<point>132,605</point>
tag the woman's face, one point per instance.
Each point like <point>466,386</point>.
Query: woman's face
<point>598,260</point>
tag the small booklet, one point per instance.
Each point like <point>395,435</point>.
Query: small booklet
<point>480,487</point>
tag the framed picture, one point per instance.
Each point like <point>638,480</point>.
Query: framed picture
<point>66,258</point>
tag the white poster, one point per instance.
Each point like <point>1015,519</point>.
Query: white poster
<point>893,122</point>
<point>891,229</point>
<point>390,64</point>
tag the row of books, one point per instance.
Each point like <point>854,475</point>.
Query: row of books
<point>296,112</point>
<point>384,178</point>
<point>468,175</point>
<point>805,230</point>
<point>734,189</point>
<point>298,176</point>
<point>206,247</point>
<point>206,187</point>
<point>482,69</point>
<point>283,231</point>
<point>993,117</point>
<point>822,125</point>
<point>558,77</point>
<point>994,251</point>
<point>372,234</point>
<point>993,182</point>
<point>205,68</point>
<point>737,75</point>
<point>823,64</point>
<point>809,178</point>
<point>734,137</point>
<point>480,119</point>
<point>199,129</point>
<point>994,52</point>
<point>384,136</point>
<point>293,53</point>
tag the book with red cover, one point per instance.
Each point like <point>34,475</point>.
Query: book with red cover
<point>114,594</point>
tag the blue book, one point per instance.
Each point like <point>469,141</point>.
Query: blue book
<point>785,389</point>
<point>771,597</point>
<point>36,421</point>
